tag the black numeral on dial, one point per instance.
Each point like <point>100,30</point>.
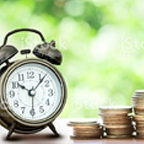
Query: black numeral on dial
<point>16,103</point>
<point>47,102</point>
<point>30,75</point>
<point>32,112</point>
<point>15,85</point>
<point>23,109</point>
<point>46,83</point>
<point>50,92</point>
<point>12,93</point>
<point>41,110</point>
<point>20,77</point>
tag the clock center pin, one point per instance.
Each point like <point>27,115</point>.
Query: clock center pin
<point>32,93</point>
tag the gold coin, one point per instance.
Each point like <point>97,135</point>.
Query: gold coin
<point>116,109</point>
<point>83,138</point>
<point>120,131</point>
<point>138,101</point>
<point>115,123</point>
<point>140,136</point>
<point>140,125</point>
<point>140,131</point>
<point>137,97</point>
<point>84,125</point>
<point>139,92</point>
<point>117,126</point>
<point>118,136</point>
<point>83,122</point>
<point>139,111</point>
<point>87,129</point>
<point>138,106</point>
<point>116,118</point>
<point>138,118</point>
<point>76,132</point>
<point>113,115</point>
<point>88,134</point>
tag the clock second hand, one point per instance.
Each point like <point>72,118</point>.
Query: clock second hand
<point>32,94</point>
<point>33,112</point>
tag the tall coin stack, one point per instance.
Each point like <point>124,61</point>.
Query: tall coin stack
<point>138,105</point>
<point>86,129</point>
<point>116,121</point>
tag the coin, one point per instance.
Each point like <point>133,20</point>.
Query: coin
<point>140,125</point>
<point>118,136</point>
<point>139,111</point>
<point>138,100</point>
<point>140,131</point>
<point>119,131</point>
<point>140,136</point>
<point>138,118</point>
<point>126,121</point>
<point>116,118</point>
<point>118,126</point>
<point>139,92</point>
<point>82,122</point>
<point>84,125</point>
<point>87,129</point>
<point>117,123</point>
<point>83,138</point>
<point>138,106</point>
<point>90,132</point>
<point>113,115</point>
<point>116,109</point>
<point>87,134</point>
<point>137,97</point>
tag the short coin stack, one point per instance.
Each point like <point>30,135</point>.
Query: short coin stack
<point>138,105</point>
<point>86,130</point>
<point>116,121</point>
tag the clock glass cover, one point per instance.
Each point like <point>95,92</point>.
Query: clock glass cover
<point>33,92</point>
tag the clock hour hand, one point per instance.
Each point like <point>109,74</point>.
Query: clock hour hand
<point>41,80</point>
<point>23,87</point>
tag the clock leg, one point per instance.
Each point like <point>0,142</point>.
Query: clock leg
<point>11,130</point>
<point>53,129</point>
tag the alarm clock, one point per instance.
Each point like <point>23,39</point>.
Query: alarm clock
<point>32,90</point>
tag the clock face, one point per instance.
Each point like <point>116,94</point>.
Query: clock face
<point>33,92</point>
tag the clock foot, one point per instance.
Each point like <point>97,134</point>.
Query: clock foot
<point>11,130</point>
<point>53,129</point>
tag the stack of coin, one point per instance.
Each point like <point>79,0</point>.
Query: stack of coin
<point>139,120</point>
<point>86,130</point>
<point>138,105</point>
<point>138,102</point>
<point>116,121</point>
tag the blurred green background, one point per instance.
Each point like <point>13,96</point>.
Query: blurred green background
<point>101,41</point>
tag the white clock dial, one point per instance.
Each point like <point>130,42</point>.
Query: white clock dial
<point>33,92</point>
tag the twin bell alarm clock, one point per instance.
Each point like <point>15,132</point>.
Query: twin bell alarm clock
<point>32,90</point>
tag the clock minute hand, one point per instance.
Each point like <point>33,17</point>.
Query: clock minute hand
<point>41,80</point>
